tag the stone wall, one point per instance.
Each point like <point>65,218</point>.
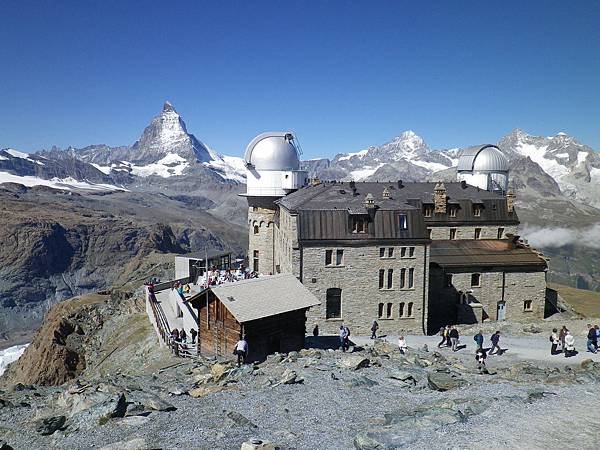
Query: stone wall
<point>287,253</point>
<point>358,279</point>
<point>468,232</point>
<point>445,303</point>
<point>261,225</point>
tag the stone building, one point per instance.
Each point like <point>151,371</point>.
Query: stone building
<point>413,256</point>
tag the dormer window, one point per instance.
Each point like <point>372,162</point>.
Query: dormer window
<point>403,221</point>
<point>428,210</point>
<point>360,224</point>
<point>452,211</point>
<point>477,210</point>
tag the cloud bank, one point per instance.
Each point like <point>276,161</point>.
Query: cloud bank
<point>560,237</point>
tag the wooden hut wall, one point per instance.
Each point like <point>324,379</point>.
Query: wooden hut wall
<point>219,335</point>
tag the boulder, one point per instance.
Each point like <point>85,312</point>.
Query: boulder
<point>150,401</point>
<point>49,425</point>
<point>236,419</point>
<point>257,444</point>
<point>355,362</point>
<point>220,371</point>
<point>444,381</point>
<point>204,391</point>
<point>100,413</point>
<point>5,445</point>
<point>361,382</point>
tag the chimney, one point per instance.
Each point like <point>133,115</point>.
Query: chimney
<point>439,198</point>
<point>510,201</point>
<point>369,201</point>
<point>386,193</point>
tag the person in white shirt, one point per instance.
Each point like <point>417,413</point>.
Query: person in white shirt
<point>241,350</point>
<point>402,345</point>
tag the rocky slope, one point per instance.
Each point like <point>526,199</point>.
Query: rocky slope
<point>124,391</point>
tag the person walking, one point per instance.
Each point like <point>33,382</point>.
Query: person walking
<point>443,336</point>
<point>554,341</point>
<point>374,329</point>
<point>347,340</point>
<point>343,337</point>
<point>447,334</point>
<point>480,358</point>
<point>316,330</point>
<point>183,336</point>
<point>193,334</point>
<point>495,343</point>
<point>569,344</point>
<point>597,335</point>
<point>241,350</point>
<point>402,345</point>
<point>592,339</point>
<point>478,338</point>
<point>454,337</point>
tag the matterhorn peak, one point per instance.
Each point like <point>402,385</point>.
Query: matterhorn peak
<point>168,107</point>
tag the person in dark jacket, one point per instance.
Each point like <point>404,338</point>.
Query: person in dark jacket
<point>374,329</point>
<point>554,341</point>
<point>316,330</point>
<point>592,339</point>
<point>478,338</point>
<point>443,336</point>
<point>193,334</point>
<point>454,337</point>
<point>495,343</point>
<point>480,358</point>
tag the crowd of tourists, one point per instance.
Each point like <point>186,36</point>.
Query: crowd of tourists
<point>215,276</point>
<point>179,339</point>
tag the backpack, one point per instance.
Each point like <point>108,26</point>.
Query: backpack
<point>551,340</point>
<point>347,331</point>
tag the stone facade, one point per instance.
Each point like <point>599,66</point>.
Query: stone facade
<point>287,252</point>
<point>261,231</point>
<point>468,232</point>
<point>459,300</point>
<point>358,279</point>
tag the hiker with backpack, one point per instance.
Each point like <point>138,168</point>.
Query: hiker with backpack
<point>374,329</point>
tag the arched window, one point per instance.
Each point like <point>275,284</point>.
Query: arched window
<point>255,229</point>
<point>380,311</point>
<point>333,304</point>
<point>409,310</point>
<point>401,311</point>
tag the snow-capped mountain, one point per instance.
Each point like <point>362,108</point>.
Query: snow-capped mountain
<point>165,149</point>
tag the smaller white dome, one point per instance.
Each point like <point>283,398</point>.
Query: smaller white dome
<point>488,158</point>
<point>273,151</point>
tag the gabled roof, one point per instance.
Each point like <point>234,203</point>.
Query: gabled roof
<point>485,253</point>
<point>267,296</point>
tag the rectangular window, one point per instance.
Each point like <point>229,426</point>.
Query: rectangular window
<point>500,233</point>
<point>403,221</point>
<point>390,252</point>
<point>452,211</point>
<point>339,257</point>
<point>328,257</point>
<point>401,310</point>
<point>359,224</point>
<point>429,233</point>
<point>411,278</point>
<point>403,252</point>
<point>389,309</point>
<point>409,310</point>
<point>402,278</point>
<point>381,278</point>
<point>477,233</point>
<point>427,210</point>
<point>448,279</point>
<point>477,210</point>
<point>411,252</point>
<point>475,280</point>
<point>380,311</point>
<point>527,305</point>
<point>255,261</point>
<point>452,233</point>
<point>382,252</point>
<point>390,278</point>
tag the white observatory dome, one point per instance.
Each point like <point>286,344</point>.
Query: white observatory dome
<point>273,163</point>
<point>485,167</point>
<point>272,151</point>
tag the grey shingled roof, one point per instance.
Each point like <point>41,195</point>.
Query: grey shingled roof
<point>267,296</point>
<point>339,195</point>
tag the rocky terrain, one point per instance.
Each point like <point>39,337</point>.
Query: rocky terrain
<point>121,390</point>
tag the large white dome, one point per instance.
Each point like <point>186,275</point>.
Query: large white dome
<point>272,151</point>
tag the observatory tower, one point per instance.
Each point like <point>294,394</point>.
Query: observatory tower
<point>485,167</point>
<point>273,171</point>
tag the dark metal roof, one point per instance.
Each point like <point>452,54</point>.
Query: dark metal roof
<point>340,195</point>
<point>485,253</point>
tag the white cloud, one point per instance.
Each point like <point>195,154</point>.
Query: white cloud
<point>560,237</point>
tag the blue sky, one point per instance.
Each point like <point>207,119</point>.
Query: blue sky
<point>343,75</point>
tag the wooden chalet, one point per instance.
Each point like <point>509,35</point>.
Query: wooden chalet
<point>270,311</point>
